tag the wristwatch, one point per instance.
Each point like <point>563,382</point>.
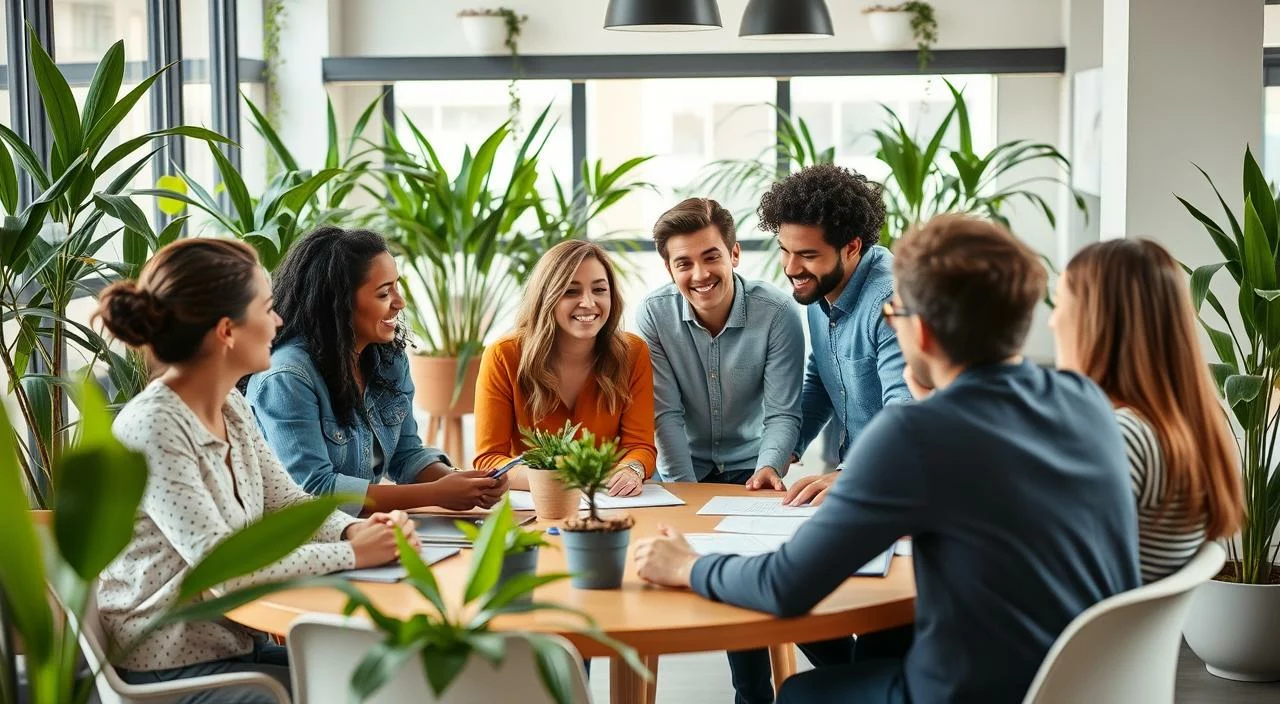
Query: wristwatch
<point>637,468</point>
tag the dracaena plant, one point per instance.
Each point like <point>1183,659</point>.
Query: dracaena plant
<point>51,250</point>
<point>587,465</point>
<point>91,523</point>
<point>445,637</point>
<point>1248,366</point>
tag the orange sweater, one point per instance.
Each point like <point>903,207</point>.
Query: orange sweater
<point>502,409</point>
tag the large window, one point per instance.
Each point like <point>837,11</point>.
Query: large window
<point>455,115</point>
<point>1271,132</point>
<point>844,112</point>
<point>686,124</point>
<point>5,118</point>
<point>87,28</point>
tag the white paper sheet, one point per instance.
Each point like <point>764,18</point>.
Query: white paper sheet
<point>748,506</point>
<point>650,495</point>
<point>742,544</point>
<point>431,554</point>
<point>761,525</point>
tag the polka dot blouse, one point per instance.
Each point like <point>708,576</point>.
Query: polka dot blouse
<point>193,501</point>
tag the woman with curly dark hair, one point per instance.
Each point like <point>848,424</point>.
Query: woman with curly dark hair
<point>337,403</point>
<point>828,219</point>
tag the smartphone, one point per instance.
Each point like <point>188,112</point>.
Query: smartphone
<point>507,467</point>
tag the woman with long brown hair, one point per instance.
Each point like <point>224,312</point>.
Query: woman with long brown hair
<point>1124,319</point>
<point>568,360</point>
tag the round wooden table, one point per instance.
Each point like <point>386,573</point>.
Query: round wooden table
<point>653,620</point>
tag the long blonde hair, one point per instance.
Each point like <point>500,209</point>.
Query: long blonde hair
<point>1137,340</point>
<point>536,329</point>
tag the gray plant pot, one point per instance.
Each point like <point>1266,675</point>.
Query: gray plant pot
<point>518,564</point>
<point>596,560</point>
<point>1233,629</point>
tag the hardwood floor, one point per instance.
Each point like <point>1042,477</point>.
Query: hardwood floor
<point>703,678</point>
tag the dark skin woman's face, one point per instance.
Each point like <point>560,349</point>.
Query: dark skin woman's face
<point>377,303</point>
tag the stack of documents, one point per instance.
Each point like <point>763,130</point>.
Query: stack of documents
<point>754,526</point>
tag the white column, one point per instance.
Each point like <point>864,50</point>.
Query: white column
<point>307,35</point>
<point>1182,85</point>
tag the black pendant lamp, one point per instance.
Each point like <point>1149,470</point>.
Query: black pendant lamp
<point>786,19</point>
<point>662,15</point>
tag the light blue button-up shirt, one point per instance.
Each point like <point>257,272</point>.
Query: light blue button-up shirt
<point>730,401</point>
<point>855,365</point>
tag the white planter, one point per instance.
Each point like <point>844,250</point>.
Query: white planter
<point>1234,628</point>
<point>891,29</point>
<point>487,34</point>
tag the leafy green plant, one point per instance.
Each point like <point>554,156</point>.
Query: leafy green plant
<point>544,446</point>
<point>928,179</point>
<point>101,487</point>
<point>51,251</point>
<point>518,539</point>
<point>445,638</point>
<point>587,466</point>
<point>1248,366</point>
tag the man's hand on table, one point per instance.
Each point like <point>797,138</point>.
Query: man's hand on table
<point>666,560</point>
<point>809,490</point>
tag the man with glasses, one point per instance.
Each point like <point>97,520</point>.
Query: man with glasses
<point>1011,480</point>
<point>828,222</point>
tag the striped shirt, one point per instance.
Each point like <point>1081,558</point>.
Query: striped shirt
<point>1167,536</point>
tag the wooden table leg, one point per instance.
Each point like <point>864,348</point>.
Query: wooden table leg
<point>627,687</point>
<point>453,441</point>
<point>783,659</point>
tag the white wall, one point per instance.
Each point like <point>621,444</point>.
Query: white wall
<point>430,28</point>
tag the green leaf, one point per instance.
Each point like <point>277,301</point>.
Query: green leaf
<point>100,485</point>
<point>1200,280</point>
<point>8,182</point>
<point>22,575</point>
<point>1221,372</point>
<point>1258,257</point>
<point>1267,295</point>
<point>261,543</point>
<point>263,125</point>
<point>236,188</point>
<point>1243,388</point>
<point>105,86</point>
<point>59,103</point>
<point>558,670</point>
<point>26,157</point>
<point>518,586</point>
<point>420,575</point>
<point>443,665</point>
<point>487,553</point>
<point>1222,344</point>
<point>1259,193</point>
<point>379,666</point>
<point>331,155</point>
<point>116,114</point>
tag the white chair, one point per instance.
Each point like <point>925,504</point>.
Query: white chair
<point>325,649</point>
<point>1125,648</point>
<point>113,690</point>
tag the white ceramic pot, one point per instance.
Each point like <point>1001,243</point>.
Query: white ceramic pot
<point>890,29</point>
<point>486,34</point>
<point>1233,628</point>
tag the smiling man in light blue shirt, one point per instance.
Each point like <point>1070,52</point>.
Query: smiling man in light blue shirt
<point>726,352</point>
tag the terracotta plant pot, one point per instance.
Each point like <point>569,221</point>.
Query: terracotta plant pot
<point>433,382</point>
<point>552,501</point>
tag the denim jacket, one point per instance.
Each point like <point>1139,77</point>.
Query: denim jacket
<point>855,365</point>
<point>325,455</point>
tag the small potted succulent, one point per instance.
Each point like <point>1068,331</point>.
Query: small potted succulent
<point>520,551</point>
<point>595,547</point>
<point>897,25</point>
<point>552,499</point>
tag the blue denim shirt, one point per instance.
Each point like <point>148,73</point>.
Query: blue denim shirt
<point>855,365</point>
<point>324,455</point>
<point>729,402</point>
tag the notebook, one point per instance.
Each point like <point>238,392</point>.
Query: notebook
<point>431,554</point>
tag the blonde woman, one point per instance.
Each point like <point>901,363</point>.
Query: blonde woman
<point>1124,319</point>
<point>567,360</point>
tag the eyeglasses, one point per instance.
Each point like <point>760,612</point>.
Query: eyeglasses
<point>890,311</point>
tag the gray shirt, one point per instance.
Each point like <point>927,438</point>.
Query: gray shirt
<point>728,402</point>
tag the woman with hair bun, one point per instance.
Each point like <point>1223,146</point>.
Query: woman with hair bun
<point>202,310</point>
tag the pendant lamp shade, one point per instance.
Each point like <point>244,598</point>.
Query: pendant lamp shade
<point>662,15</point>
<point>786,19</point>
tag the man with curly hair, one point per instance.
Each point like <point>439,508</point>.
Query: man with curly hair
<point>828,219</point>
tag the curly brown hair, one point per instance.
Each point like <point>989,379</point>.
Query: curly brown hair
<point>844,203</point>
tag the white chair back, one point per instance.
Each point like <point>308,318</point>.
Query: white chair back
<point>1125,649</point>
<point>324,651</point>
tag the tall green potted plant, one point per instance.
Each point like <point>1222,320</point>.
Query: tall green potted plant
<point>595,546</point>
<point>52,250</point>
<point>1234,619</point>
